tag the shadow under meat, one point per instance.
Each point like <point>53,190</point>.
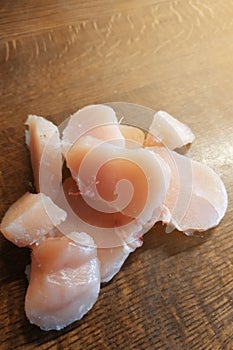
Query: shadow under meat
<point>174,242</point>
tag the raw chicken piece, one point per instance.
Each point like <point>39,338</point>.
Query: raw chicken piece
<point>169,131</point>
<point>44,143</point>
<point>64,281</point>
<point>30,218</point>
<point>99,121</point>
<point>97,169</point>
<point>196,198</point>
<point>112,258</point>
<point>113,179</point>
<point>133,134</point>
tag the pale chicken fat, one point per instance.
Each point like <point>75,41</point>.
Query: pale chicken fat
<point>30,218</point>
<point>64,281</point>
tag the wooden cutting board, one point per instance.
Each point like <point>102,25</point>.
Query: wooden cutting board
<point>175,292</point>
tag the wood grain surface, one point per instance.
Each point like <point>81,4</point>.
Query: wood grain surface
<point>175,292</point>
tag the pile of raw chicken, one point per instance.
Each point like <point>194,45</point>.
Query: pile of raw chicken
<point>119,181</point>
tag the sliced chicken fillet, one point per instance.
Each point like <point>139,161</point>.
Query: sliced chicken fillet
<point>64,281</point>
<point>99,121</point>
<point>30,218</point>
<point>196,198</point>
<point>110,179</point>
<point>169,131</point>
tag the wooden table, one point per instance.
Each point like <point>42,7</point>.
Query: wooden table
<point>175,292</point>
